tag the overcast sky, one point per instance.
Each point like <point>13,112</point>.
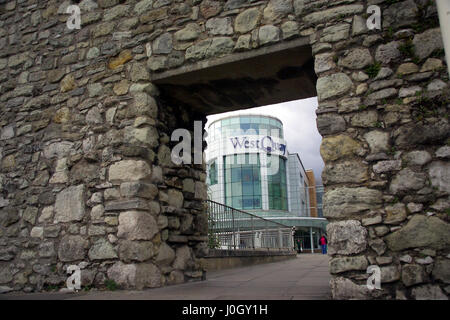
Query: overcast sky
<point>300,130</point>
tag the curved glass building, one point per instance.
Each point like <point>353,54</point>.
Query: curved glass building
<point>249,168</point>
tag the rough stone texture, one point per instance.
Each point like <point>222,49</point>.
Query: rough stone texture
<point>137,225</point>
<point>79,113</point>
<point>346,237</point>
<point>420,231</point>
<point>339,265</point>
<point>69,205</point>
<point>343,202</point>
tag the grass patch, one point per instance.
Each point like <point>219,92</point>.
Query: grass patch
<point>111,285</point>
<point>373,69</point>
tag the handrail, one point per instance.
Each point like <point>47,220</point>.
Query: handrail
<point>230,228</point>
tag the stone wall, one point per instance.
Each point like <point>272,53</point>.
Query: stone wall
<point>86,176</point>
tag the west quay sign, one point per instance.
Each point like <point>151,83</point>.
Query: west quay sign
<point>257,143</point>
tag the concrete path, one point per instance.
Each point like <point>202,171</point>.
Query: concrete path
<point>305,277</point>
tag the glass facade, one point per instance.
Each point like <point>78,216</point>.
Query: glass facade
<point>235,126</point>
<point>277,187</point>
<point>242,181</point>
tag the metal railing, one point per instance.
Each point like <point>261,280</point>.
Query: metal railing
<point>230,228</point>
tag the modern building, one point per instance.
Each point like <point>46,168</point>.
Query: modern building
<point>249,168</point>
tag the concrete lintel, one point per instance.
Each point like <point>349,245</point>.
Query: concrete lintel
<point>237,56</point>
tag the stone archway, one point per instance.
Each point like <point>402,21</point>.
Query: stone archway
<point>87,117</point>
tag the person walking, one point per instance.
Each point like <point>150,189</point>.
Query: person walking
<point>323,244</point>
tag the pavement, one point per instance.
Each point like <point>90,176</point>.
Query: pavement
<point>304,278</point>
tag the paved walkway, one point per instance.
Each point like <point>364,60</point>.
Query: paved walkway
<point>305,277</point>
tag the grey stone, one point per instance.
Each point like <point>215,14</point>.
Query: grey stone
<point>395,213</point>
<point>439,172</point>
<point>290,29</point>
<point>328,14</point>
<point>388,165</point>
<point>420,231</point>
<point>346,237</point>
<point>142,6</point>
<point>419,157</point>
<point>400,14</point>
<point>276,9</point>
<point>427,42</point>
<point>183,258</point>
<point>137,225</point>
<point>324,62</point>
<point>407,180</point>
<point>335,33</point>
<point>428,292</point>
<point>356,59</point>
<point>441,270</point>
<point>188,33</point>
<point>135,251</point>
<point>388,52</point>
<point>219,26</point>
<point>69,204</point>
<point>378,246</point>
<point>72,248</point>
<point>166,255</point>
<point>389,274</point>
<point>163,44</point>
<point>339,265</point>
<point>47,249</point>
<point>330,123</point>
<point>101,250</point>
<point>344,289</point>
<point>247,20</point>
<point>268,34</point>
<point>345,172</point>
<point>333,85</point>
<point>130,170</point>
<point>344,201</point>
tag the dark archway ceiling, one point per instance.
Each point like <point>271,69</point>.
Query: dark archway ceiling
<point>264,76</point>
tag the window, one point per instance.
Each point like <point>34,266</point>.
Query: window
<point>212,173</point>
<point>277,186</point>
<point>243,181</point>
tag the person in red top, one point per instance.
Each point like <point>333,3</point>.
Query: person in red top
<point>323,244</point>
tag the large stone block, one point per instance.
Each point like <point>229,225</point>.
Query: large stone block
<point>338,265</point>
<point>129,170</point>
<point>344,289</point>
<point>101,250</point>
<point>135,250</point>
<point>333,85</point>
<point>72,248</point>
<point>342,202</point>
<point>137,225</point>
<point>413,274</point>
<point>428,292</point>
<point>439,172</point>
<point>345,172</point>
<point>135,276</point>
<point>407,180</point>
<point>419,232</point>
<point>441,270</point>
<point>69,204</point>
<point>346,237</point>
<point>336,147</point>
<point>247,20</point>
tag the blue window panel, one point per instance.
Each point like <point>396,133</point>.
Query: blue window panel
<point>247,188</point>
<point>234,120</point>
<point>245,120</point>
<point>245,126</point>
<point>256,188</point>
<point>237,202</point>
<point>255,119</point>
